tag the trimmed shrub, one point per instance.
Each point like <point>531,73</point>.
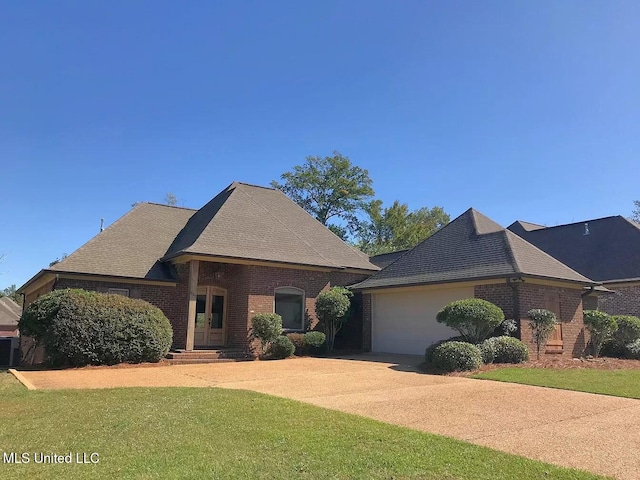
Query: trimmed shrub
<point>508,349</point>
<point>314,341</point>
<point>488,351</point>
<point>428,353</point>
<point>298,342</point>
<point>332,307</point>
<point>628,329</point>
<point>632,350</point>
<point>280,348</point>
<point>78,328</point>
<point>509,327</point>
<point>542,323</point>
<point>601,327</point>
<point>266,327</point>
<point>457,356</point>
<point>474,318</point>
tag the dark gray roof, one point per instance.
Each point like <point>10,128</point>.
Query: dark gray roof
<point>471,247</point>
<point>610,251</point>
<point>10,312</point>
<point>258,223</point>
<point>384,259</point>
<point>132,246</point>
<point>243,221</point>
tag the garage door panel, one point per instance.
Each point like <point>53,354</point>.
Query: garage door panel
<point>405,322</point>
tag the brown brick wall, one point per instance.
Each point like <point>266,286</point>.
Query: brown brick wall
<point>532,296</point>
<point>624,301</point>
<point>250,290</point>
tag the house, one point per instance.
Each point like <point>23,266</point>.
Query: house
<point>471,257</point>
<point>10,313</point>
<point>249,250</point>
<point>605,249</point>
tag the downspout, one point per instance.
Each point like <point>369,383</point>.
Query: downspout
<point>514,284</point>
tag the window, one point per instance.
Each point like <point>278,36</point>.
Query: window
<point>290,306</point>
<point>119,291</point>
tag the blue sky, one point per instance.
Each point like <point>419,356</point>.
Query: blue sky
<point>523,110</point>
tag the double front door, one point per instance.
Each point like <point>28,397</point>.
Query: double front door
<point>211,321</point>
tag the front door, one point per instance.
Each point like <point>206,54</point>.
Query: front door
<point>211,310</point>
<point>551,301</point>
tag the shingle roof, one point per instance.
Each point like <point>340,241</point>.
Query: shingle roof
<point>251,222</point>
<point>132,246</point>
<point>610,251</point>
<point>471,247</point>
<point>10,312</point>
<point>243,221</point>
<point>384,259</point>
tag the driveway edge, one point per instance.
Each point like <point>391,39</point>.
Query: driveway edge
<point>22,379</point>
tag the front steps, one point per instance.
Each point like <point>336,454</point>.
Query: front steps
<point>182,357</point>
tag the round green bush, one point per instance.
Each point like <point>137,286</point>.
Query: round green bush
<point>266,327</point>
<point>78,328</point>
<point>601,328</point>
<point>632,350</point>
<point>315,340</point>
<point>457,356</point>
<point>298,342</point>
<point>280,348</point>
<point>628,329</point>
<point>428,353</point>
<point>488,351</point>
<point>508,349</point>
<point>474,318</point>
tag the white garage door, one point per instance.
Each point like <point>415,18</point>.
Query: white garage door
<point>405,322</point>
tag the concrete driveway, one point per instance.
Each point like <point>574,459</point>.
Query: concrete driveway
<point>573,429</point>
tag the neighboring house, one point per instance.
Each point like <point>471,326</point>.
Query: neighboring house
<point>249,250</point>
<point>471,257</point>
<point>606,250</point>
<point>10,313</point>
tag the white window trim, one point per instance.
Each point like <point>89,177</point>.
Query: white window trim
<point>292,291</point>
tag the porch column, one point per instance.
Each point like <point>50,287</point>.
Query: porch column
<point>193,296</point>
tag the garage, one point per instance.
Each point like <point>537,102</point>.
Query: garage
<point>405,321</point>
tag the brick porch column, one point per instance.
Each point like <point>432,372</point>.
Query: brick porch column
<point>193,296</point>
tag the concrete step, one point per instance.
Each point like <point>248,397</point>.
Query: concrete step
<point>190,361</point>
<point>226,354</point>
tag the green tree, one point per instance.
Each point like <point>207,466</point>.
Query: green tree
<point>636,213</point>
<point>12,294</point>
<point>600,326</point>
<point>328,188</point>
<point>396,227</point>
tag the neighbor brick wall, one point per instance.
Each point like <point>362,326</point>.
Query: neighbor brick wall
<point>531,296</point>
<point>624,301</point>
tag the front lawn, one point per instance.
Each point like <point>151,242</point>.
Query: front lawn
<point>217,433</point>
<point>619,383</point>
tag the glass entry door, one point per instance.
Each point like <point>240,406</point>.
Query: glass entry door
<point>211,310</point>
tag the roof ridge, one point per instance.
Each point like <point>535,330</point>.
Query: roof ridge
<point>331,262</point>
<point>512,254</point>
<point>251,185</point>
<point>579,222</point>
<point>168,206</point>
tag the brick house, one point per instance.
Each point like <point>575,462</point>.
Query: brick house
<point>605,249</point>
<point>471,257</point>
<point>249,250</point>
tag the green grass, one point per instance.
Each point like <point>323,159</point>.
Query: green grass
<point>619,383</point>
<point>216,433</point>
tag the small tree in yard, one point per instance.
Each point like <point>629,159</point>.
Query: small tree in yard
<point>601,326</point>
<point>331,307</point>
<point>474,318</point>
<point>266,327</point>
<point>542,323</point>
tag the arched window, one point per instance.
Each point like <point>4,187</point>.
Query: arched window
<point>289,304</point>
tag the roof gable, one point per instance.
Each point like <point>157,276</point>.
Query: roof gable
<point>10,312</point>
<point>609,251</point>
<point>470,247</point>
